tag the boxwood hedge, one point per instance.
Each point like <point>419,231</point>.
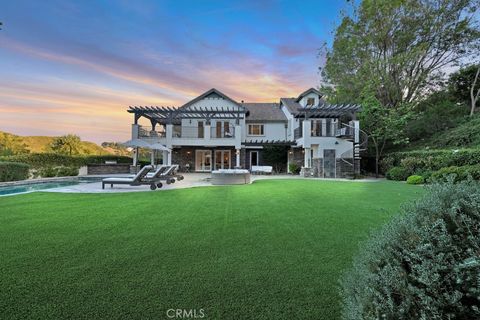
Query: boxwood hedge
<point>42,160</point>
<point>418,162</point>
<point>13,171</point>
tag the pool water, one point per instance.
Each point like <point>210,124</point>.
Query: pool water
<point>31,187</point>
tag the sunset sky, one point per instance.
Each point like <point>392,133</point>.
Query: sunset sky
<point>75,66</point>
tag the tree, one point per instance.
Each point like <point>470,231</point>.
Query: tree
<point>475,92</point>
<point>69,144</point>
<point>11,144</point>
<point>460,83</point>
<point>383,124</point>
<point>400,46</point>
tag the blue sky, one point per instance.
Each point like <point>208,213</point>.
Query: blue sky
<point>75,66</point>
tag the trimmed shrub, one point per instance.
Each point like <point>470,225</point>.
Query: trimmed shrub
<point>458,173</point>
<point>42,160</point>
<point>294,168</point>
<point>415,179</point>
<point>13,171</point>
<point>49,172</point>
<point>431,160</point>
<point>424,263</point>
<point>397,174</point>
<point>67,172</point>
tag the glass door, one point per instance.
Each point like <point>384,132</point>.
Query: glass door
<point>329,165</point>
<point>222,159</point>
<point>203,160</point>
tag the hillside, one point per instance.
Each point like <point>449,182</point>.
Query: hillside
<point>466,134</point>
<point>41,144</point>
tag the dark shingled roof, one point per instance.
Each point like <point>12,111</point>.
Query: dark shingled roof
<point>264,112</point>
<point>291,104</point>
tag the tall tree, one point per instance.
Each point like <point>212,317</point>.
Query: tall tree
<point>400,46</point>
<point>383,124</point>
<point>69,144</point>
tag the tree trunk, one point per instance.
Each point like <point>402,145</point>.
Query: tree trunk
<point>377,159</point>
<point>474,96</point>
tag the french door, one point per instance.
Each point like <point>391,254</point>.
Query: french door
<point>222,159</point>
<point>203,160</point>
<point>253,158</point>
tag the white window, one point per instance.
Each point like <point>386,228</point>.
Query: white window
<point>256,130</point>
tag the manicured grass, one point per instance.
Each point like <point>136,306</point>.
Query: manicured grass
<point>271,250</point>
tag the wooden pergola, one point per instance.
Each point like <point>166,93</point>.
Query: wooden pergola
<point>170,115</point>
<point>328,111</point>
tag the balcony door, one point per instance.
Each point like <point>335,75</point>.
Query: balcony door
<point>203,160</point>
<point>200,130</point>
<point>222,159</point>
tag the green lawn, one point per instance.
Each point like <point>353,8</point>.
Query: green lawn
<point>271,250</point>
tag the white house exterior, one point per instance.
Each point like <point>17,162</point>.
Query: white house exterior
<point>214,131</point>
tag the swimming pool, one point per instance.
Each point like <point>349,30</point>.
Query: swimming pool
<point>38,186</point>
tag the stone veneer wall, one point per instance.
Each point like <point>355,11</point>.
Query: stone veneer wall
<point>108,168</point>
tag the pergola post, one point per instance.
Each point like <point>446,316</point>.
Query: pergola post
<point>306,158</point>
<point>237,162</point>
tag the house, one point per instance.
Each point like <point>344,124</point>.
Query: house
<point>213,131</point>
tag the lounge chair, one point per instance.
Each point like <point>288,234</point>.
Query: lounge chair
<point>139,179</point>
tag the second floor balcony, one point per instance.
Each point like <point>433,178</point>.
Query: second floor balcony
<point>192,132</point>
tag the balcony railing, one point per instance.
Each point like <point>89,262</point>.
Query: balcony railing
<point>219,133</point>
<point>297,133</point>
<point>188,132</point>
<point>345,132</point>
<point>148,132</point>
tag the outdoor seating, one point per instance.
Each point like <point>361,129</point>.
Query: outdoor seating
<point>262,169</point>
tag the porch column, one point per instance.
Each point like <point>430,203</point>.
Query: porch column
<point>169,158</point>
<point>135,156</point>
<point>306,158</point>
<point>237,163</point>
<point>164,157</point>
<point>152,158</point>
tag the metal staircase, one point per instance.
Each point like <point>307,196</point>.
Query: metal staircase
<point>347,132</point>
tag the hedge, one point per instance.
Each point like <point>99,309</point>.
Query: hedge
<point>42,160</point>
<point>420,161</point>
<point>397,174</point>
<point>49,172</point>
<point>424,263</point>
<point>13,171</point>
<point>459,173</point>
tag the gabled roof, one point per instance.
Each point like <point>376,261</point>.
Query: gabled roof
<point>291,104</point>
<point>264,112</point>
<point>211,92</point>
<point>307,92</point>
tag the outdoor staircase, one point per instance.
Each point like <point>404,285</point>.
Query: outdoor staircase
<point>357,149</point>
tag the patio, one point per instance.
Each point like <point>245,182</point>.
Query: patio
<point>191,180</point>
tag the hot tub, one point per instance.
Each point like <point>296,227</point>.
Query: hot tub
<point>230,176</point>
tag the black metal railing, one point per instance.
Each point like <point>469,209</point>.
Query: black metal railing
<point>218,133</point>
<point>148,132</point>
<point>345,131</point>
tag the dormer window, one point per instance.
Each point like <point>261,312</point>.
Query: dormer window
<point>310,101</point>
